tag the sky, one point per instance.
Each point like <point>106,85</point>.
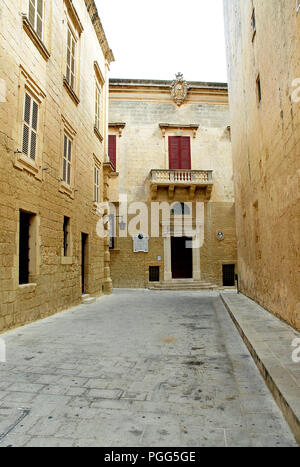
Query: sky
<point>155,39</point>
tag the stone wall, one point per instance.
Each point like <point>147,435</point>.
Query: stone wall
<point>266,143</point>
<point>36,187</point>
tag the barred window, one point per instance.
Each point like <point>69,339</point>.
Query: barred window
<point>30,126</point>
<point>36,16</point>
<point>67,160</point>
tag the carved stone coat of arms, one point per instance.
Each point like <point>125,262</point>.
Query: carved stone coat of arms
<point>179,89</point>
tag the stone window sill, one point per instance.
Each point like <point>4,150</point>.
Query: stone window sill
<point>98,134</point>
<point>23,162</point>
<point>71,92</point>
<point>27,287</point>
<point>35,38</point>
<point>67,260</point>
<point>66,189</point>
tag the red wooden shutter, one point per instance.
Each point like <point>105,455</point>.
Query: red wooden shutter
<point>112,149</point>
<point>174,152</point>
<point>185,152</point>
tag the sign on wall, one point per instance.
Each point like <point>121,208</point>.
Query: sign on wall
<point>141,243</point>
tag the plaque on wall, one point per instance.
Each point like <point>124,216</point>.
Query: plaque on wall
<point>141,243</point>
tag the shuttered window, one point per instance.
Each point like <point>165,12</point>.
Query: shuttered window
<point>179,152</point>
<point>96,185</point>
<point>112,149</point>
<point>71,62</point>
<point>30,126</point>
<point>36,16</point>
<point>67,160</point>
<point>97,106</point>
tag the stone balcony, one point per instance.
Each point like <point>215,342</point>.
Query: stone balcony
<point>192,180</point>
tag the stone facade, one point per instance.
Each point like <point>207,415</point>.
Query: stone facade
<point>35,184</point>
<point>263,40</point>
<point>143,115</point>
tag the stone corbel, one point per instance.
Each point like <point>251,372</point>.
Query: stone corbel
<point>171,191</point>
<point>119,126</point>
<point>192,192</point>
<point>154,192</point>
<point>107,170</point>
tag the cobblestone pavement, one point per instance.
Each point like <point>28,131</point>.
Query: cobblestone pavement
<point>137,368</point>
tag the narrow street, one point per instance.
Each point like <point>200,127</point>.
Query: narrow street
<point>137,368</point>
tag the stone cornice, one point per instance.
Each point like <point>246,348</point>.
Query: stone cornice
<point>179,126</point>
<point>165,84</point>
<point>93,12</point>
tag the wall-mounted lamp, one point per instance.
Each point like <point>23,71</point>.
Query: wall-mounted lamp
<point>122,224</point>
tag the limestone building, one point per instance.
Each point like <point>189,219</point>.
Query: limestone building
<point>170,143</point>
<point>263,40</point>
<point>54,62</point>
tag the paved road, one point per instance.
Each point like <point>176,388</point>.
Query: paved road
<point>138,368</point>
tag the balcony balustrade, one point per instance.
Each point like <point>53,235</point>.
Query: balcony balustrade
<point>172,179</point>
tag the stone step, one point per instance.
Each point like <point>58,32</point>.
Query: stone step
<point>87,299</point>
<point>184,285</point>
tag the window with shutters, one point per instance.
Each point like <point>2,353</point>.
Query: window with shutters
<point>73,31</point>
<point>179,152</point>
<point>67,160</point>
<point>36,16</point>
<point>71,59</point>
<point>97,105</point>
<point>34,24</point>
<point>112,150</point>
<point>30,120</point>
<point>96,184</point>
<point>30,126</point>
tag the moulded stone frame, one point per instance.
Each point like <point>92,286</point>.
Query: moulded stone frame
<point>73,23</point>
<point>22,161</point>
<point>42,44</point>
<point>34,246</point>
<point>100,83</point>
<point>67,129</point>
